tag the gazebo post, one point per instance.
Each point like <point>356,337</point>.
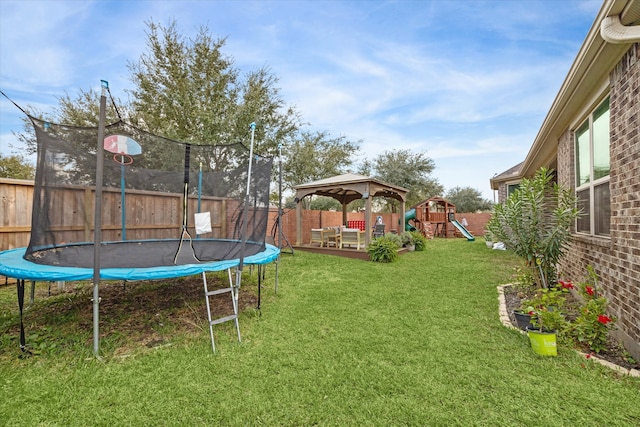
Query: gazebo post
<point>344,214</point>
<point>298,222</point>
<point>367,219</point>
<point>402,212</point>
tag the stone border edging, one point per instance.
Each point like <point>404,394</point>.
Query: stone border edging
<point>506,321</point>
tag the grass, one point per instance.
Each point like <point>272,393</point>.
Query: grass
<point>343,342</point>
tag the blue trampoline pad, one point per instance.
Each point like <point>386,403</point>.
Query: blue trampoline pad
<point>13,264</point>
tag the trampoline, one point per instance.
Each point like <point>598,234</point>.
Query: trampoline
<point>119,203</point>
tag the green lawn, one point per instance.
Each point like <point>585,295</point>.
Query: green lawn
<point>343,342</point>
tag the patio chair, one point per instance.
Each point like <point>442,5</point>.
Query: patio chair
<point>378,230</point>
<point>316,236</point>
<point>330,236</point>
<point>352,236</point>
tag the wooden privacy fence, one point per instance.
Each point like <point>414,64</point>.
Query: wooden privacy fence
<point>149,215</point>
<point>318,219</point>
<point>16,196</point>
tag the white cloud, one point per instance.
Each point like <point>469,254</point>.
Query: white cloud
<point>460,80</point>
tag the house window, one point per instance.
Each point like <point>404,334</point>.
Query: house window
<point>592,172</point>
<point>511,188</point>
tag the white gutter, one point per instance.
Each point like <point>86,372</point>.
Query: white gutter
<point>612,31</point>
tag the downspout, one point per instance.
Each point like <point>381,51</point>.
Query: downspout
<point>612,31</point>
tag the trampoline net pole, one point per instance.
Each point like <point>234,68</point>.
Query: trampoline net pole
<point>245,208</point>
<point>97,232</point>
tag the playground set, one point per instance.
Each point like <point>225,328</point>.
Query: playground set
<point>435,217</point>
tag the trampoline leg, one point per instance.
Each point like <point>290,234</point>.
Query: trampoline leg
<point>32,297</point>
<point>260,277</point>
<point>277,262</point>
<point>20,289</point>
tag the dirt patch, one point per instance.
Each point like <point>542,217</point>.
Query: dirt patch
<point>133,315</point>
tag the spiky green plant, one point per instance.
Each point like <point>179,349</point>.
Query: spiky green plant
<point>384,248</point>
<point>534,222</point>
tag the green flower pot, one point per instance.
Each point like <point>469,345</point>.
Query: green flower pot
<point>543,343</point>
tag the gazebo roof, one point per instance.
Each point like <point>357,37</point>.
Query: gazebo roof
<point>350,186</point>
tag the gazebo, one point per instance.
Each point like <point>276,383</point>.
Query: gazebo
<point>345,189</point>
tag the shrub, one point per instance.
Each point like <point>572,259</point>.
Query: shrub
<point>534,222</point>
<point>395,238</point>
<point>384,248</point>
<point>591,327</point>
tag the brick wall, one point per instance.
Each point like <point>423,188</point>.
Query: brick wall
<point>565,167</point>
<point>502,192</point>
<point>476,221</point>
<point>615,260</point>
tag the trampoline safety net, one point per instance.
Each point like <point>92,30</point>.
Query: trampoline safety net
<point>145,220</point>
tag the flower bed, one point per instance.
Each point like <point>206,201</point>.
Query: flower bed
<point>612,351</point>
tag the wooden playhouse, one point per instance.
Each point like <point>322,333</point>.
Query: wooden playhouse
<point>432,217</point>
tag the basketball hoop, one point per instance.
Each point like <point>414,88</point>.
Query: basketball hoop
<point>124,159</point>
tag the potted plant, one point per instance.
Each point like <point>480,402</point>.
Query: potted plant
<point>566,313</point>
<point>419,240</point>
<point>525,290</point>
<point>546,324</point>
<point>523,316</point>
<point>547,319</point>
<point>407,241</point>
<point>488,239</point>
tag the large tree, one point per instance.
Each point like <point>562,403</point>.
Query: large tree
<point>311,156</point>
<point>16,166</point>
<point>189,90</point>
<point>406,169</point>
<point>468,199</point>
<point>322,203</point>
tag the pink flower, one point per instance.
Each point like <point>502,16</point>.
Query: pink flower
<point>566,285</point>
<point>604,319</point>
<point>588,356</point>
<point>589,290</point>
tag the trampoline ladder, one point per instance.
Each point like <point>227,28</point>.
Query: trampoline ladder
<point>234,300</point>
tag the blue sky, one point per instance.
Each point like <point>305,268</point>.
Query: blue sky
<point>468,82</point>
